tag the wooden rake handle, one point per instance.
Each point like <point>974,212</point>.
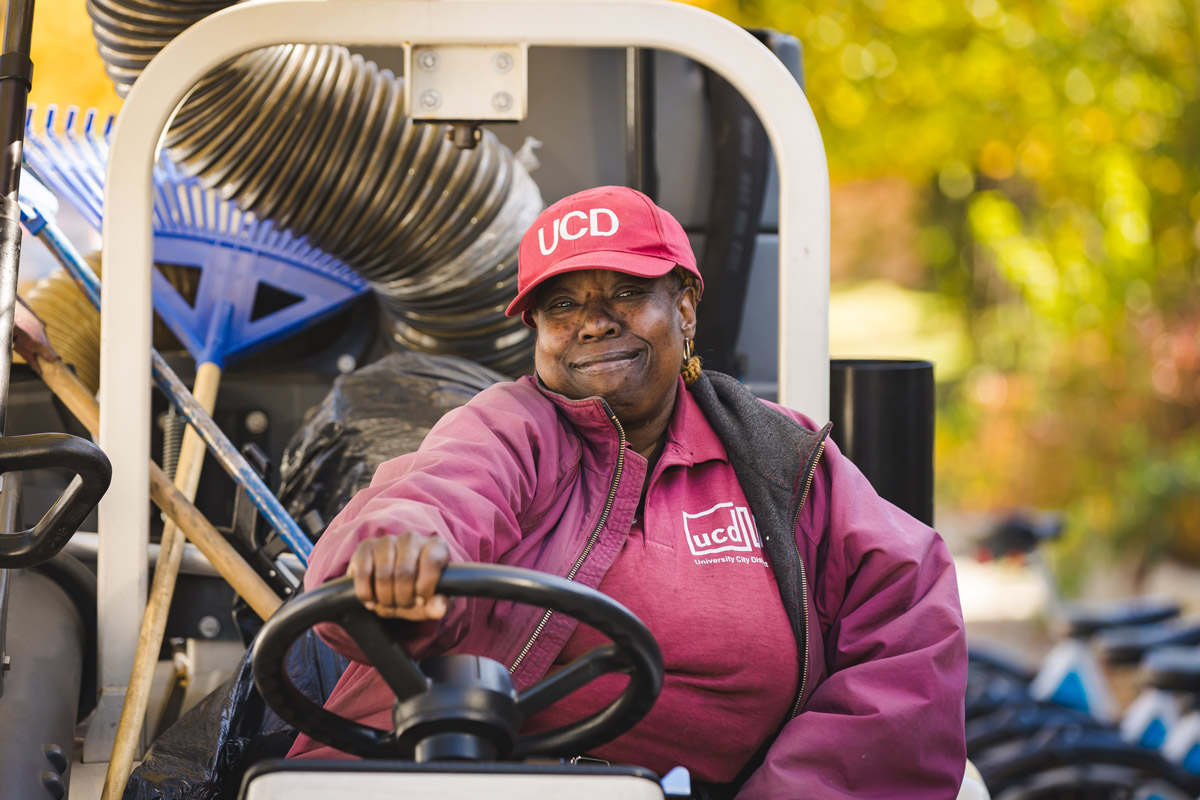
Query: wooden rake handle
<point>162,590</point>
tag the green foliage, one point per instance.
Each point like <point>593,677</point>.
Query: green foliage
<point>1056,141</point>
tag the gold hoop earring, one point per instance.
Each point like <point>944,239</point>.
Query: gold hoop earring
<point>691,363</point>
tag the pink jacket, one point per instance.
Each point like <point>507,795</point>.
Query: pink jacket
<point>526,477</point>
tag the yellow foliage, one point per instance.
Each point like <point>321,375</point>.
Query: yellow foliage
<point>66,68</point>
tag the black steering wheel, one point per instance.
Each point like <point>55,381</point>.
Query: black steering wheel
<point>460,706</point>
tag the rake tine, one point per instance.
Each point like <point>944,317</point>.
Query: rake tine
<point>40,156</point>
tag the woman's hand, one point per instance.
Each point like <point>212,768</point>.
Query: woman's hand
<point>396,575</point>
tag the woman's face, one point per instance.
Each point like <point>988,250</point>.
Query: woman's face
<point>609,334</point>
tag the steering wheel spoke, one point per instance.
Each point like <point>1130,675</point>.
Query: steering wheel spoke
<point>580,672</point>
<point>398,671</point>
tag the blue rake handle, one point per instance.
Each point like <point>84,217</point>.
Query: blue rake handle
<point>168,382</point>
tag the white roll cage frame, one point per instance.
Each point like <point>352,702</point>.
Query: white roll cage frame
<point>128,204</point>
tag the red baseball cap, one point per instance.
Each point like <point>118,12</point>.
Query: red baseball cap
<point>610,227</point>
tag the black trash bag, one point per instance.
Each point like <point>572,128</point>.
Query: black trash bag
<point>370,416</point>
<point>204,755</point>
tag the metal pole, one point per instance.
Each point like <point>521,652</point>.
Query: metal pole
<point>16,75</point>
<point>10,497</point>
<point>5,662</point>
<point>641,166</point>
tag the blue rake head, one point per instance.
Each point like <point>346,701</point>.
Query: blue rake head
<point>256,284</point>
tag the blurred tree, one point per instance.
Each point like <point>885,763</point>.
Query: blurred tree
<point>66,68</point>
<point>1056,144</point>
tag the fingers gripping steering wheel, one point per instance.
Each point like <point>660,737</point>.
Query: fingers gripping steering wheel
<point>459,706</point>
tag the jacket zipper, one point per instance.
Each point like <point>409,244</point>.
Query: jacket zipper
<point>591,542</point>
<point>804,580</point>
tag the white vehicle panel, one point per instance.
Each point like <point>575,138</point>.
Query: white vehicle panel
<point>309,785</point>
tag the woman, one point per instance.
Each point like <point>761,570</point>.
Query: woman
<point>811,631</point>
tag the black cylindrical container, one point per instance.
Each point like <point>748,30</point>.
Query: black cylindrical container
<point>45,640</point>
<point>882,412</point>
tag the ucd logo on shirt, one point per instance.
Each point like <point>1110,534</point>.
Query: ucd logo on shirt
<point>722,528</point>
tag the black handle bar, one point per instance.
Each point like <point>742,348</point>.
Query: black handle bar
<point>53,451</point>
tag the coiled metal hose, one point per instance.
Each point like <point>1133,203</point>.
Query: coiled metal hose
<point>315,139</point>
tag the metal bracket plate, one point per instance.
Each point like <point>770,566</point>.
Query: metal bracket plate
<point>457,83</point>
